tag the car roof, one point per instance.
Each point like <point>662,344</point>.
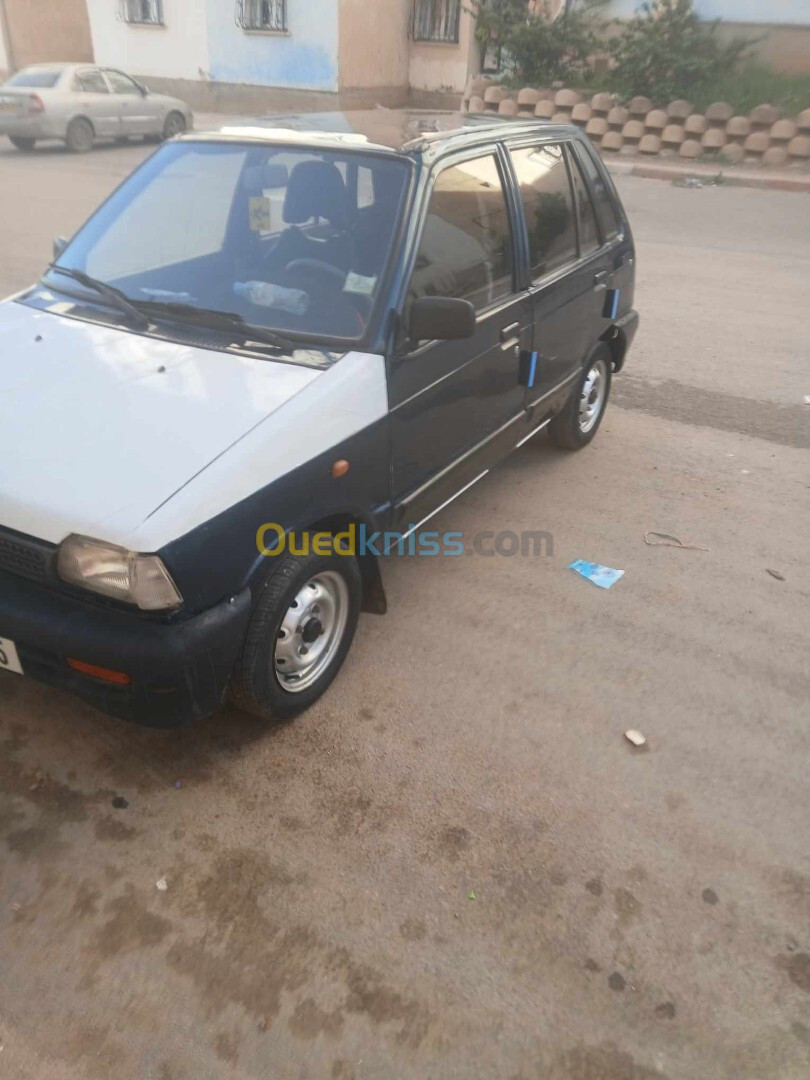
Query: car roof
<point>398,130</point>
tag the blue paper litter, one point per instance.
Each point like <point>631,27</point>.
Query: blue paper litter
<point>603,576</point>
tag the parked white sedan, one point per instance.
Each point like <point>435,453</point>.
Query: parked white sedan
<point>79,103</point>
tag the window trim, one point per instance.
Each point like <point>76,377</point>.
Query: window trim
<point>125,9</point>
<point>417,8</point>
<point>242,19</point>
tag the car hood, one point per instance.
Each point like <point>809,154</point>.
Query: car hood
<point>100,426</point>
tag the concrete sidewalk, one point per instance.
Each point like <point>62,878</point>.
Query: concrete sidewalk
<point>735,176</point>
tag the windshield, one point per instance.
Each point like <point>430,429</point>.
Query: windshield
<point>43,78</point>
<point>293,239</point>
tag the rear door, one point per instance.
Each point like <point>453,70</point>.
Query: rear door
<point>618,254</point>
<point>567,265</point>
<point>94,100</point>
<point>456,405</point>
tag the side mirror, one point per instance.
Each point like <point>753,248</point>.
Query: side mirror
<point>143,89</point>
<point>59,245</point>
<point>440,318</point>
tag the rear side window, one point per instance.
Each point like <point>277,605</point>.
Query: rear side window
<point>548,205</point>
<point>603,200</point>
<point>92,82</point>
<point>466,246</point>
<point>588,231</point>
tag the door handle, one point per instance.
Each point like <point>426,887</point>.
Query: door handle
<point>600,281</point>
<point>510,331</point>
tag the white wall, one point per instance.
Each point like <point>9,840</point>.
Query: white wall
<point>177,50</point>
<point>788,12</point>
<point>305,58</point>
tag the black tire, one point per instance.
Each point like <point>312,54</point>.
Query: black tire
<point>256,685</point>
<point>80,136</point>
<point>175,124</point>
<point>572,429</point>
<point>22,143</point>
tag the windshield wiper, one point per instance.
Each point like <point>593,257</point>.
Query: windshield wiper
<point>109,292</point>
<point>217,320</point>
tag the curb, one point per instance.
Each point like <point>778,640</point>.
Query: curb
<point>730,177</point>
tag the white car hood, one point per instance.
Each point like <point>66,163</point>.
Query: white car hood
<point>99,426</point>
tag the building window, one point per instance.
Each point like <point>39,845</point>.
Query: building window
<point>435,20</point>
<point>262,15</point>
<point>142,12</point>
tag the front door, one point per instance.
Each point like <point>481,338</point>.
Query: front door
<point>138,114</point>
<point>455,405</point>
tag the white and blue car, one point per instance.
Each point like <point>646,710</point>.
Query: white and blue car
<point>266,338</point>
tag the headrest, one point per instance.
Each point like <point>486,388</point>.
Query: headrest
<point>315,189</point>
<point>257,178</point>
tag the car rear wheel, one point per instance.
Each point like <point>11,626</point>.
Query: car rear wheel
<point>301,629</point>
<point>579,421</point>
<point>79,138</point>
<point>175,125</point>
<point>22,143</point>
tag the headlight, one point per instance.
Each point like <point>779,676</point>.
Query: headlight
<point>113,571</point>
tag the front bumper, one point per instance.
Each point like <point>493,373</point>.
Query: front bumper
<point>179,670</point>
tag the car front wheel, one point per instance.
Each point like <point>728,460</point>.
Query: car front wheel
<point>299,635</point>
<point>579,420</point>
<point>175,124</point>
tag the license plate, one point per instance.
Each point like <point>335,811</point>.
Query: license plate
<point>9,661</point>
<point>7,107</point>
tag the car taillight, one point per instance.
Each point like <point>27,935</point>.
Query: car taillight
<point>35,104</point>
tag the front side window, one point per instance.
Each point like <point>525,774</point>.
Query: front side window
<point>121,84</point>
<point>91,82</point>
<point>466,247</point>
<point>548,206</point>
<point>435,20</point>
<point>294,239</point>
<point>142,11</point>
<point>262,14</point>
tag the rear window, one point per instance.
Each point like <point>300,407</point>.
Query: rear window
<point>602,198</point>
<point>42,78</point>
<point>548,205</point>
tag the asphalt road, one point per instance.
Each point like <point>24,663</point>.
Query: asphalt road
<point>638,915</point>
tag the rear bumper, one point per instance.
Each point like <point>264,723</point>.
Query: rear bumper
<point>179,671</point>
<point>32,127</point>
<point>627,326</point>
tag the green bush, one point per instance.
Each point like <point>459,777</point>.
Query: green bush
<point>665,52</point>
<point>753,84</point>
<point>534,48</point>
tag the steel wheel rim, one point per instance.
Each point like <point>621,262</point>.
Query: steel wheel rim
<point>175,125</point>
<point>592,396</point>
<point>311,631</point>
